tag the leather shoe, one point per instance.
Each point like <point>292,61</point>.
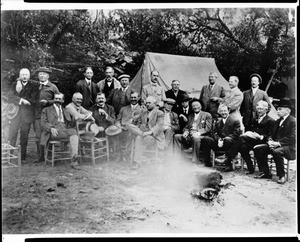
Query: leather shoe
<point>263,175</point>
<point>249,172</point>
<point>75,166</point>
<point>281,180</point>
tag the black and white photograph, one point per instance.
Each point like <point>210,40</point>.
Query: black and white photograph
<point>148,120</point>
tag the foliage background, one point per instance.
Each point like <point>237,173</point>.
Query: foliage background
<point>242,41</point>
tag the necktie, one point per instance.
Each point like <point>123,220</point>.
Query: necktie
<point>41,86</point>
<point>185,111</point>
<point>277,128</point>
<point>60,117</point>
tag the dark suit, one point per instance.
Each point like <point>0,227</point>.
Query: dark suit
<point>117,98</point>
<point>178,99</point>
<point>100,120</point>
<point>245,143</point>
<point>286,136</point>
<point>25,114</point>
<point>229,132</point>
<point>209,105</point>
<point>248,107</point>
<point>182,123</point>
<point>89,95</point>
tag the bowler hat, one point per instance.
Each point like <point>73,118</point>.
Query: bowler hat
<point>124,76</point>
<point>113,130</point>
<point>284,102</point>
<point>185,97</point>
<point>258,76</point>
<point>43,69</point>
<point>169,101</point>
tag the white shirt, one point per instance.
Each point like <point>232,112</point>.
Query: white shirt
<point>211,86</point>
<point>57,111</point>
<point>224,120</point>
<point>88,81</point>
<point>186,110</point>
<point>44,83</point>
<point>124,89</point>
<point>284,118</point>
<point>194,125</point>
<point>254,90</point>
<point>261,118</point>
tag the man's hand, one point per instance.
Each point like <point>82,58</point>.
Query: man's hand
<point>25,102</point>
<point>183,117</point>
<point>196,135</point>
<point>185,134</point>
<point>273,144</point>
<point>147,133</point>
<point>54,132</point>
<point>214,99</point>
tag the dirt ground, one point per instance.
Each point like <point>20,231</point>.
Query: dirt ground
<point>110,198</point>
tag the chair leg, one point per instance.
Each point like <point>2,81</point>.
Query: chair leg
<point>93,152</point>
<point>287,169</point>
<point>19,161</point>
<point>107,150</point>
<point>53,154</point>
<point>213,155</point>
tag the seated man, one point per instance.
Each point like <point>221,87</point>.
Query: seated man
<point>128,115</point>
<point>281,145</point>
<point>57,124</point>
<point>184,111</point>
<point>259,131</point>
<point>199,124</point>
<point>104,116</point>
<point>171,123</point>
<point>79,113</point>
<point>148,130</point>
<point>225,132</point>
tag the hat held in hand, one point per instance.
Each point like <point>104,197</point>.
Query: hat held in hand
<point>113,130</point>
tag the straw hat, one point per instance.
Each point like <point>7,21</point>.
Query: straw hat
<point>113,130</point>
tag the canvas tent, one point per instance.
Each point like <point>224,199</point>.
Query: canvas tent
<point>192,72</point>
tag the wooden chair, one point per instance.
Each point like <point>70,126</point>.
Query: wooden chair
<point>221,155</point>
<point>146,149</point>
<point>57,150</point>
<point>8,157</point>
<point>90,146</point>
<point>272,166</point>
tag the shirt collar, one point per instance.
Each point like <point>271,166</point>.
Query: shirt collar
<point>261,118</point>
<point>134,106</point>
<point>45,83</point>
<point>88,81</point>
<point>154,84</point>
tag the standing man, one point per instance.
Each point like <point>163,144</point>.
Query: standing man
<point>148,131</point>
<point>57,124</point>
<point>176,94</point>
<point>109,83</point>
<point>128,115</point>
<point>211,95</point>
<point>281,145</point>
<point>154,89</point>
<point>24,94</point>
<point>47,90</point>
<point>184,111</point>
<point>233,99</point>
<point>199,124</point>
<point>120,97</point>
<point>87,88</point>
<point>226,131</point>
<point>259,131</point>
<point>251,98</point>
<point>171,123</point>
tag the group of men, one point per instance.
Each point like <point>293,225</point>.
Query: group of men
<point>229,120</point>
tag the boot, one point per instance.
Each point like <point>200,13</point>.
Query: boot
<point>40,153</point>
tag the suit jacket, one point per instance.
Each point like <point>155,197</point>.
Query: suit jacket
<point>118,99</point>
<point>231,129</point>
<point>154,123</point>
<point>233,99</point>
<point>265,127</point>
<point>205,96</point>
<point>77,112</point>
<point>157,92</point>
<point>30,93</point>
<point>101,84</point>
<point>174,121</point>
<point>49,119</point>
<point>182,123</point>
<point>248,107</point>
<point>100,120</point>
<point>286,135</point>
<point>178,99</point>
<point>129,115</point>
<point>89,96</point>
<point>204,123</point>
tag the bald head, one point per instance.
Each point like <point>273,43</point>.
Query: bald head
<point>77,99</point>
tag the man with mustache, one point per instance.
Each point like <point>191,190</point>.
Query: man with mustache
<point>251,98</point>
<point>109,83</point>
<point>87,88</point>
<point>154,89</point>
<point>47,90</point>
<point>57,124</point>
<point>24,94</point>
